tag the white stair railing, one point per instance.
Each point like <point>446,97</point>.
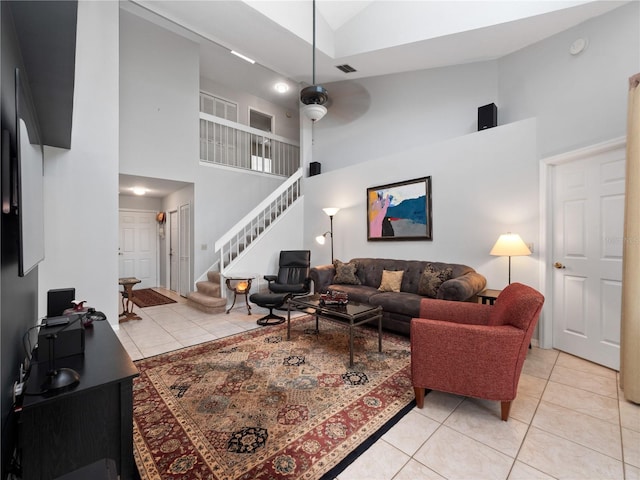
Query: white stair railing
<point>258,221</point>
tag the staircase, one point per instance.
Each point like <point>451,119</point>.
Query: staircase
<point>210,295</point>
<point>207,297</point>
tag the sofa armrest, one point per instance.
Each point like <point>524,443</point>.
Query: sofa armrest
<point>463,287</point>
<point>456,312</point>
<point>322,277</point>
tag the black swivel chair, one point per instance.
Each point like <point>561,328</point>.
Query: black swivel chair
<point>294,274</point>
<point>293,278</point>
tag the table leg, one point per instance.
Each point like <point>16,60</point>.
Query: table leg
<point>380,333</point>
<point>246,299</point>
<point>130,301</point>
<point>235,294</point>
<point>351,343</point>
<point>289,320</point>
<point>124,304</point>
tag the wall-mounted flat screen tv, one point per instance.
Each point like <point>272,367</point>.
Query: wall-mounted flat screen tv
<point>30,181</point>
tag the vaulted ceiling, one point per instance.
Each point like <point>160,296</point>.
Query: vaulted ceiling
<point>375,37</point>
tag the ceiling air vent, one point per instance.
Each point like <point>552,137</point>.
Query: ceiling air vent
<point>346,68</point>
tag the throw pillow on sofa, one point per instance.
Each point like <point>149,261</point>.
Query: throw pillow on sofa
<point>431,279</point>
<point>391,281</point>
<point>345,273</point>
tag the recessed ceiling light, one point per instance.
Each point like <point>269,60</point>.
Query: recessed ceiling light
<point>244,57</point>
<point>281,87</point>
<point>139,190</point>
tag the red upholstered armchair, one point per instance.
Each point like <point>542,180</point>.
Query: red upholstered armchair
<point>472,349</point>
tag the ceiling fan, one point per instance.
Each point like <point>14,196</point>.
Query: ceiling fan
<point>314,96</point>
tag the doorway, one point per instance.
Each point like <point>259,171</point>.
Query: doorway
<point>174,273</point>
<point>138,247</point>
<point>179,250</point>
<point>161,195</point>
<point>584,260</point>
<point>184,234</point>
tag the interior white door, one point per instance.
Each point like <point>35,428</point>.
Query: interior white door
<point>185,249</point>
<point>138,247</point>
<point>174,272</point>
<point>588,201</point>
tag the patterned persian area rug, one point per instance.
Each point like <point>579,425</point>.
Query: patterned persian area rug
<point>145,297</point>
<point>257,406</point>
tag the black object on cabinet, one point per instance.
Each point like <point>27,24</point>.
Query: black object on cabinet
<point>70,430</point>
<point>58,300</point>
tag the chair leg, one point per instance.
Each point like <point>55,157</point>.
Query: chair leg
<point>505,407</point>
<point>419,392</point>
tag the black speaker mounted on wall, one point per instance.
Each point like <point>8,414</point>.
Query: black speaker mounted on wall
<point>487,116</point>
<point>314,168</point>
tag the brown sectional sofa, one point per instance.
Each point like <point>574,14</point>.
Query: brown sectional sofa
<point>399,307</point>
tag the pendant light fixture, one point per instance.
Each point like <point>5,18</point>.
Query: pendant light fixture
<point>314,96</point>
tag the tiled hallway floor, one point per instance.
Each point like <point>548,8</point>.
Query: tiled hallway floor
<point>569,421</point>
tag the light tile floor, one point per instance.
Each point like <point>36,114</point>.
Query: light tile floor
<point>569,421</point>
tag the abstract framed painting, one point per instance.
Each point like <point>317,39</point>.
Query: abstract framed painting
<point>400,211</point>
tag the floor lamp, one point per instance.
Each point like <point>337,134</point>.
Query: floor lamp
<point>510,245</point>
<point>331,211</point>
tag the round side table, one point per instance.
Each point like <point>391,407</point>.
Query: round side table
<point>239,286</point>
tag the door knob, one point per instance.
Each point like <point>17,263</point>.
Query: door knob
<point>559,265</point>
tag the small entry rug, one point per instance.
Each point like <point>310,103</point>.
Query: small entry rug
<point>256,406</point>
<point>145,297</point>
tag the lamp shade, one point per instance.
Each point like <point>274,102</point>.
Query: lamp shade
<point>331,211</point>
<point>510,244</point>
<point>321,239</point>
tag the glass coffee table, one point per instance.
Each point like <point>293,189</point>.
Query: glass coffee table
<point>354,313</point>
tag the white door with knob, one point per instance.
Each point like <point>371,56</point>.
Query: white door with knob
<point>138,247</point>
<point>588,211</point>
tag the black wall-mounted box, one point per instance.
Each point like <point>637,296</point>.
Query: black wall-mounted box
<point>487,116</point>
<point>314,168</point>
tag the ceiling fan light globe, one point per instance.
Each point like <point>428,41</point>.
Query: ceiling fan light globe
<point>314,112</point>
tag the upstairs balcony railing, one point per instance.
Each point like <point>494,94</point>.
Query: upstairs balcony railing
<point>223,142</point>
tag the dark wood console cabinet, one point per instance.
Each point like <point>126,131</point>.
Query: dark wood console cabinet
<point>62,433</point>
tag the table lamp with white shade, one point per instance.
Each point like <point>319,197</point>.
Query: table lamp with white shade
<point>510,245</point>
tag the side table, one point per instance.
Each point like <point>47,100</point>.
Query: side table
<point>127,294</point>
<point>239,286</point>
<point>488,296</point>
